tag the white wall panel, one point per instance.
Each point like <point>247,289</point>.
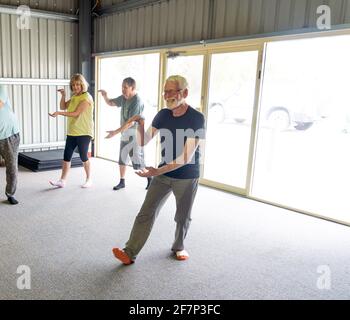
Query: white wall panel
<point>48,50</point>
<point>31,104</point>
<point>6,50</point>
<point>34,50</point>
<point>25,53</point>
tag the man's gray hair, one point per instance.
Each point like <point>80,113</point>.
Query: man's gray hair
<point>180,80</point>
<point>130,82</point>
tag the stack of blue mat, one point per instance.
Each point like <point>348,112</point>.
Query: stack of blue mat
<point>46,160</point>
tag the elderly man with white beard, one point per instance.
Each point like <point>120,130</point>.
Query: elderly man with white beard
<point>182,130</point>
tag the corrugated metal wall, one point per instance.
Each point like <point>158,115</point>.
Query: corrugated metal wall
<point>180,21</point>
<point>48,50</point>
<point>167,22</point>
<point>248,17</point>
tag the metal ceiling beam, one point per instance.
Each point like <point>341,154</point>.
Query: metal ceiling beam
<point>130,4</point>
<point>39,14</point>
<point>85,38</point>
<point>85,45</point>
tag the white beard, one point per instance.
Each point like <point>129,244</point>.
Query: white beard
<point>174,103</point>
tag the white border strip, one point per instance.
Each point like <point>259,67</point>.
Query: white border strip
<point>35,82</point>
<point>34,13</point>
<point>43,145</point>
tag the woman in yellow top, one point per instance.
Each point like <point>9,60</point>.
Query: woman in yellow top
<point>79,110</point>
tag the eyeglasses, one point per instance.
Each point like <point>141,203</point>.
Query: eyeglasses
<point>171,92</point>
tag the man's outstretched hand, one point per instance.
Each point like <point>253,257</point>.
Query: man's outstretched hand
<point>111,134</point>
<point>103,93</point>
<point>148,172</point>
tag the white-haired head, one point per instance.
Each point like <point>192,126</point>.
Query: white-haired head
<point>180,80</point>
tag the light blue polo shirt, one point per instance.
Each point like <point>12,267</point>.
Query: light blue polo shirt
<point>8,121</point>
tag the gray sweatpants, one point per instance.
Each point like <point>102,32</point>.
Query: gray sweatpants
<point>159,191</point>
<point>9,151</point>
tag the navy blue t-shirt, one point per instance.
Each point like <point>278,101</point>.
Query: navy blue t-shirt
<point>174,132</point>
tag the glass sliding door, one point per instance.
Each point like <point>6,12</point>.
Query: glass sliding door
<point>303,155</point>
<point>144,68</point>
<point>232,90</point>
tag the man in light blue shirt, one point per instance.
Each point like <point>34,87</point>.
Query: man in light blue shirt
<point>9,144</point>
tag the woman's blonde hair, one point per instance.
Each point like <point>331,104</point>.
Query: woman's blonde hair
<point>79,78</point>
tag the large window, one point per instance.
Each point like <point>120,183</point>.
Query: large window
<point>282,138</point>
<point>230,110</point>
<point>303,154</point>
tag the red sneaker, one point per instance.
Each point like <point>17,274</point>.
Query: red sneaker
<point>122,256</point>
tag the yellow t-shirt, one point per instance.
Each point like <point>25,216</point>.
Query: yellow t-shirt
<point>84,124</point>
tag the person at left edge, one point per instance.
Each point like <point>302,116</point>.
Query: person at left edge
<point>9,144</point>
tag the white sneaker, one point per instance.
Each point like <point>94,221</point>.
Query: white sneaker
<point>87,184</point>
<point>60,183</point>
<point>182,255</point>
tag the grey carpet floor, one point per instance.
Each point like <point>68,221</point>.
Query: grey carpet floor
<point>240,249</point>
